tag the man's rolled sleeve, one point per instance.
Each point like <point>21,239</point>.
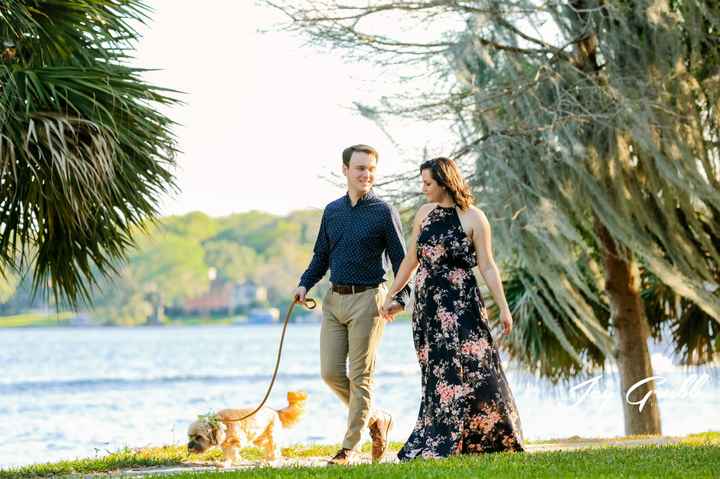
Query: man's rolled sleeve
<point>396,252</point>
<point>321,258</point>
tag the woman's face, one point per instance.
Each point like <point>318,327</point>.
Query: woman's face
<point>434,192</point>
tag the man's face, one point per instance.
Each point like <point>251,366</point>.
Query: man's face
<point>361,172</point>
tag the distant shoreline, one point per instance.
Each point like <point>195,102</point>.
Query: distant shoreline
<point>64,320</point>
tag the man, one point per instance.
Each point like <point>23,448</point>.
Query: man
<point>356,233</point>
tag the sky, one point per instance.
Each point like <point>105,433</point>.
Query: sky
<point>264,118</point>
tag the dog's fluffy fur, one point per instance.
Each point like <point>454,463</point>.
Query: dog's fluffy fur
<point>223,429</point>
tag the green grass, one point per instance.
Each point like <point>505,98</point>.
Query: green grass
<point>159,456</point>
<point>698,455</point>
<point>35,319</point>
<point>611,462</point>
<point>124,459</point>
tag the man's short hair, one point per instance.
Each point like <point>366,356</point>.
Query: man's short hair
<point>347,152</point>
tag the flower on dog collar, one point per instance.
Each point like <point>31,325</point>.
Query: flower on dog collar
<point>212,420</point>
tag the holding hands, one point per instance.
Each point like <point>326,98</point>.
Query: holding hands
<point>390,308</point>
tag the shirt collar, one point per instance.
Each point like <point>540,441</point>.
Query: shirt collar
<point>369,196</point>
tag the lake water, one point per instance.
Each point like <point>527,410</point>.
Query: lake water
<point>80,392</point>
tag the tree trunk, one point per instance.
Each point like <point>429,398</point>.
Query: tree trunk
<point>622,283</point>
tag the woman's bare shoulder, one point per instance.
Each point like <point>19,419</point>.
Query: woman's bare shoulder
<point>476,215</point>
<point>423,211</point>
<point>476,212</point>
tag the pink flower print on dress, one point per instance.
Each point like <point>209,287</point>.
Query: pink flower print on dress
<point>433,253</point>
<point>462,390</point>
<point>422,354</point>
<point>446,393</point>
<point>510,442</point>
<point>420,277</point>
<point>449,393</point>
<point>476,348</point>
<point>486,421</point>
<point>457,277</point>
<point>448,320</point>
<point>425,221</point>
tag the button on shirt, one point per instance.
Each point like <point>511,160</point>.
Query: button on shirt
<point>354,242</point>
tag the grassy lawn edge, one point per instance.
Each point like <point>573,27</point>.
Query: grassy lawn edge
<point>155,457</point>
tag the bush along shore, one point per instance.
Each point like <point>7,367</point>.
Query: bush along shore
<point>696,455</point>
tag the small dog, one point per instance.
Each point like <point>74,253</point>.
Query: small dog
<point>224,429</point>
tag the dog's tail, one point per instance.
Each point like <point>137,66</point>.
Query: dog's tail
<point>290,415</point>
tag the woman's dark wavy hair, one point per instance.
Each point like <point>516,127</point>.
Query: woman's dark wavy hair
<point>446,173</point>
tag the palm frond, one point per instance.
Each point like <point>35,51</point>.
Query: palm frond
<point>84,152</point>
<point>545,339</point>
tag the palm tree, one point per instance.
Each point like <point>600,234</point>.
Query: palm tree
<point>84,153</point>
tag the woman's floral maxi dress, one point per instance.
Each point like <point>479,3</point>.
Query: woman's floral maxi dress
<point>467,405</point>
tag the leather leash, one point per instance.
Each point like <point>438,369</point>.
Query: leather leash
<point>309,303</point>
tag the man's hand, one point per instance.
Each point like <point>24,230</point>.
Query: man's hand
<point>299,294</point>
<point>390,309</point>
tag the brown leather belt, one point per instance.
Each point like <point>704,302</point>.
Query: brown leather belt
<point>351,288</point>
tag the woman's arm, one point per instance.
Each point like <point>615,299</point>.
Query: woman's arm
<point>482,238</point>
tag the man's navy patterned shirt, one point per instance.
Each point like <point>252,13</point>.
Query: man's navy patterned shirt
<point>354,242</point>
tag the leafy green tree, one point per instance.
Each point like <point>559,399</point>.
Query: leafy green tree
<point>171,265</point>
<point>194,225</point>
<point>84,154</point>
<point>233,261</point>
<point>123,301</point>
<point>284,264</point>
<point>242,228</point>
<point>308,222</point>
<point>164,270</point>
<point>257,230</point>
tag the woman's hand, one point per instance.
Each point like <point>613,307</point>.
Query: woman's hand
<point>390,308</point>
<point>507,321</point>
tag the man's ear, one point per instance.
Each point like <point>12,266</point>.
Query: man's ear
<point>345,170</point>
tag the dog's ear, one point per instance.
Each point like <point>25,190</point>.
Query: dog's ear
<point>217,433</point>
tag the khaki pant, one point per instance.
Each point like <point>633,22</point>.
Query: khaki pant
<point>349,337</point>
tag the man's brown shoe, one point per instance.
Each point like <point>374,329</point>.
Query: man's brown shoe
<point>379,431</point>
<point>342,458</point>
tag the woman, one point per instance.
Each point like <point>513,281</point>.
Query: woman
<point>467,405</point>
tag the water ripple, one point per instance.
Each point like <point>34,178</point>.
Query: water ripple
<point>84,384</point>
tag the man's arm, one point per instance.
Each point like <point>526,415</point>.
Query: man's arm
<point>320,261</point>
<point>396,251</point>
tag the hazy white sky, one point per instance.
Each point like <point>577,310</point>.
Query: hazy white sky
<point>264,117</point>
